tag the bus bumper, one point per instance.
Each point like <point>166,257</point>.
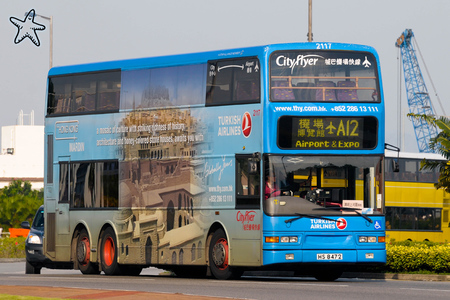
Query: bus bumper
<point>366,256</point>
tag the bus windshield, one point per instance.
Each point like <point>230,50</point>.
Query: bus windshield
<point>323,185</point>
<point>340,76</point>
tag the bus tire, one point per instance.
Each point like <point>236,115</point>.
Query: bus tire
<point>84,254</point>
<point>108,253</point>
<point>219,257</point>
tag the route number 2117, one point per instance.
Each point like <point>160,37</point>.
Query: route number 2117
<point>323,45</point>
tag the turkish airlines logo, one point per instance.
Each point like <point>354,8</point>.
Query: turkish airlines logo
<point>341,223</point>
<point>246,124</point>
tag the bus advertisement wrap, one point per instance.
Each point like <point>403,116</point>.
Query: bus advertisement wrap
<point>207,161</point>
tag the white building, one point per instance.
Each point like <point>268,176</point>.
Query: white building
<point>22,154</point>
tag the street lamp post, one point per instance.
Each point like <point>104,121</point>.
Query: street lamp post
<point>310,35</point>
<point>50,20</point>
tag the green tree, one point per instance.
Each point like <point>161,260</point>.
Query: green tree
<point>441,145</point>
<point>18,202</point>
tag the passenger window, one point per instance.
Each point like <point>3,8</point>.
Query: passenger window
<point>63,182</point>
<point>89,185</point>
<point>162,87</point>
<point>234,81</point>
<point>247,182</point>
<point>84,93</point>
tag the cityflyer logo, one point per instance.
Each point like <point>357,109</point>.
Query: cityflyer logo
<point>341,223</point>
<point>299,61</point>
<point>247,220</point>
<point>246,124</point>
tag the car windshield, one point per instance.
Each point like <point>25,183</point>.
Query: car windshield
<point>323,185</point>
<point>38,221</point>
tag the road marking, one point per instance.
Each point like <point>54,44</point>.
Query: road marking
<point>426,290</point>
<point>297,283</point>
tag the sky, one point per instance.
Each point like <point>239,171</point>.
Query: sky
<point>101,30</point>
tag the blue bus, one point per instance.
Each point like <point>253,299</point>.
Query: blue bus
<point>260,158</point>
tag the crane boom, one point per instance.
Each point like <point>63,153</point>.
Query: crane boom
<point>419,101</point>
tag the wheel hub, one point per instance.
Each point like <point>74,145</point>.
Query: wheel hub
<point>83,251</point>
<point>109,251</point>
<point>220,253</point>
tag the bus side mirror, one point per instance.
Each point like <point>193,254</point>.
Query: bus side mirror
<point>395,166</point>
<point>253,167</point>
<point>253,163</point>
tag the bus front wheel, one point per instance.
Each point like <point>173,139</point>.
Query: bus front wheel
<point>219,257</point>
<point>84,254</point>
<point>108,253</point>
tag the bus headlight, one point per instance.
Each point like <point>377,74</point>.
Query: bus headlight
<point>372,239</point>
<point>289,239</point>
<point>283,239</point>
<point>367,239</point>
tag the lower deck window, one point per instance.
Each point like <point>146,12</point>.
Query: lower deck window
<point>89,184</point>
<point>413,218</point>
<point>247,182</point>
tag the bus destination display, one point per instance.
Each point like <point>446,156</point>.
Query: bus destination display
<point>322,133</point>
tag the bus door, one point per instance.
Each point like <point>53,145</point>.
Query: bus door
<point>246,237</point>
<point>62,208</point>
<point>50,199</point>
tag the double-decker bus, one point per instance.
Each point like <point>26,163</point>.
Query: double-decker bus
<point>265,157</point>
<point>415,209</point>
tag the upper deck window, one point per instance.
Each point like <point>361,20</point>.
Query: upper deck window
<point>312,76</point>
<point>235,81</point>
<point>163,87</point>
<point>84,93</point>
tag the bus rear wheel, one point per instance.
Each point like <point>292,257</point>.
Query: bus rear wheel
<point>219,257</point>
<point>84,254</point>
<point>108,253</point>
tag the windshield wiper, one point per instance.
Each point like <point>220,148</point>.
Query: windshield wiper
<point>346,208</point>
<point>299,216</point>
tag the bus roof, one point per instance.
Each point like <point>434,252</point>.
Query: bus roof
<point>429,156</point>
<point>201,57</point>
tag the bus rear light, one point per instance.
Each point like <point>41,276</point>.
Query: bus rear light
<point>369,256</point>
<point>272,239</point>
<point>381,239</point>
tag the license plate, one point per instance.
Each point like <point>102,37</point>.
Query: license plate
<point>329,256</point>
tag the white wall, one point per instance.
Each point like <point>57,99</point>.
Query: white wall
<point>27,161</point>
